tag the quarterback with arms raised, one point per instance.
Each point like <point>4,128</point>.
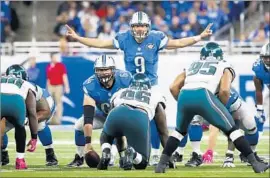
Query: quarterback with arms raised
<point>141,45</point>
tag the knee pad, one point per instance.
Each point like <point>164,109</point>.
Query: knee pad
<point>235,134</point>
<point>79,124</point>
<point>141,165</point>
<point>41,125</point>
<point>176,134</point>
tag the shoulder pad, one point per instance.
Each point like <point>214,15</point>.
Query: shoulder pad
<point>125,77</point>
<point>89,84</point>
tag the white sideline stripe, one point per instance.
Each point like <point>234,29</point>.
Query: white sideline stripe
<point>68,142</point>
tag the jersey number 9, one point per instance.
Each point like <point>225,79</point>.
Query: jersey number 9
<point>140,64</point>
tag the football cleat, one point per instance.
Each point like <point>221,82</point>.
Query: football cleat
<point>51,159</point>
<point>228,162</point>
<point>195,160</point>
<point>128,159</point>
<point>77,162</point>
<point>177,157</point>
<point>5,158</point>
<point>20,164</point>
<point>154,160</point>
<point>105,160</point>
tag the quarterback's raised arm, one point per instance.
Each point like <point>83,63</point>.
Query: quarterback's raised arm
<point>183,42</point>
<point>91,42</point>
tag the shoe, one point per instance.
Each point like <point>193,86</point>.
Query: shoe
<point>112,160</point>
<point>77,162</point>
<point>259,158</point>
<point>243,158</point>
<point>207,157</point>
<point>229,161</point>
<point>258,167</point>
<point>121,162</point>
<point>128,159</point>
<point>51,159</point>
<point>162,164</point>
<point>20,164</point>
<point>105,160</point>
<point>177,157</point>
<point>195,160</point>
<point>154,160</point>
<point>5,158</point>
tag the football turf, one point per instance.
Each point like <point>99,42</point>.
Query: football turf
<point>65,150</point>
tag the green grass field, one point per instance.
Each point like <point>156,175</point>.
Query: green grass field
<point>65,149</point>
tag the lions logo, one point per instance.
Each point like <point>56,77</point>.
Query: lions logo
<point>150,46</point>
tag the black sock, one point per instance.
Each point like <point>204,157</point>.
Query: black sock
<point>243,146</point>
<point>49,151</point>
<point>20,137</point>
<point>171,146</point>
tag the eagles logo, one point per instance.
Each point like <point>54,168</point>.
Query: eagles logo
<point>150,46</point>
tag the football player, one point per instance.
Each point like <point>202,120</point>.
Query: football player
<point>198,86</point>
<point>98,89</point>
<point>18,98</point>
<point>261,69</point>
<point>45,108</point>
<point>141,46</point>
<point>133,108</point>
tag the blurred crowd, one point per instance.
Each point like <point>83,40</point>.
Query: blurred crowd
<point>177,19</point>
<point>104,19</point>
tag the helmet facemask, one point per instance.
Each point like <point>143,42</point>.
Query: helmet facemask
<point>140,31</point>
<point>140,26</point>
<point>105,75</point>
<point>266,61</point>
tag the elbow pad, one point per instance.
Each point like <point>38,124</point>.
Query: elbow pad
<point>88,112</point>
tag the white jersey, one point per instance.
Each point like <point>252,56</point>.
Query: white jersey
<point>13,85</point>
<point>206,74</point>
<point>146,100</point>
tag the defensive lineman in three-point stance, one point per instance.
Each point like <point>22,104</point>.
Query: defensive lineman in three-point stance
<point>203,79</point>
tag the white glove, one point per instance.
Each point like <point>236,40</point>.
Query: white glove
<point>228,162</point>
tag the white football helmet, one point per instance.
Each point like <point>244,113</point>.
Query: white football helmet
<point>265,55</point>
<point>140,18</point>
<point>102,64</point>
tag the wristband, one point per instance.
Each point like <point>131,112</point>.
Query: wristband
<point>34,136</point>
<point>260,107</point>
<point>87,139</point>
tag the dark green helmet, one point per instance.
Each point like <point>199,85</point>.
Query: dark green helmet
<point>18,71</point>
<point>140,81</point>
<point>211,50</point>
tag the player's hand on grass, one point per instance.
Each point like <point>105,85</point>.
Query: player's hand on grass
<point>207,31</point>
<point>88,147</point>
<point>32,145</point>
<point>71,33</point>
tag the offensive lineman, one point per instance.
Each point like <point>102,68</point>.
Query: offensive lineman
<point>98,89</point>
<point>261,69</point>
<point>204,78</point>
<point>133,108</point>
<point>141,46</point>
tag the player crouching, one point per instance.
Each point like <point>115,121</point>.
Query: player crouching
<point>133,108</point>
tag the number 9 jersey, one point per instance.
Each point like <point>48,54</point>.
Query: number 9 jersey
<point>206,74</point>
<point>142,57</point>
<point>146,100</point>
